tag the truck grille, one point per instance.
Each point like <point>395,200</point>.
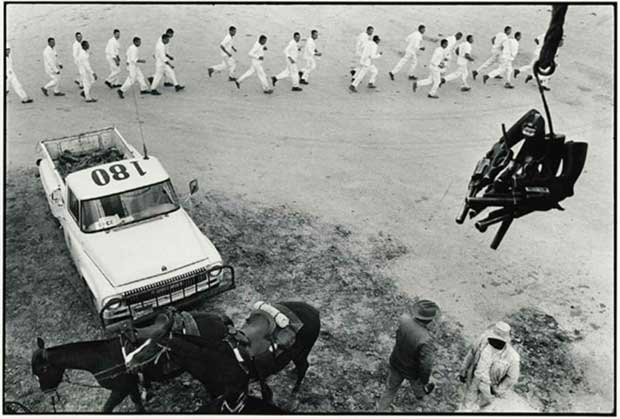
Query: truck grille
<point>144,300</point>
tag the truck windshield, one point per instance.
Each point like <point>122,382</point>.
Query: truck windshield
<point>128,207</point>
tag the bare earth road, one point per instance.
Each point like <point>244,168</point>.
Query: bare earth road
<point>387,161</point>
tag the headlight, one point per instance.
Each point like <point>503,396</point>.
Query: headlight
<point>215,272</point>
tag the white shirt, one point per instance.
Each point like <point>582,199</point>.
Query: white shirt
<point>500,37</point>
<point>438,56</point>
<point>133,55</point>
<point>362,39</point>
<point>291,50</point>
<point>160,52</point>
<point>112,48</point>
<point>84,63</point>
<point>463,49</point>
<point>310,48</point>
<point>76,50</point>
<point>9,66</point>
<point>50,60</point>
<point>510,49</point>
<point>369,53</point>
<point>227,43</point>
<point>257,51</point>
<point>451,43</point>
<point>413,41</point>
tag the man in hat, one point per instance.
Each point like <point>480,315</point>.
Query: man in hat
<point>412,356</point>
<point>490,368</point>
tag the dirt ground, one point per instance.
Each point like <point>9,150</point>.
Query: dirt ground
<point>345,201</point>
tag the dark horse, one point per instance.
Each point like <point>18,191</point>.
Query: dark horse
<point>103,359</point>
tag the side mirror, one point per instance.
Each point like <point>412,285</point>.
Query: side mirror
<point>193,186</point>
<point>57,197</point>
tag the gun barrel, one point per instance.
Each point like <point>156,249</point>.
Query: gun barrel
<point>501,232</point>
<point>461,217</point>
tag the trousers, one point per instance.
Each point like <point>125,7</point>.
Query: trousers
<point>361,73</point>
<point>161,69</point>
<point>135,75</point>
<point>54,82</point>
<point>228,62</point>
<point>461,72</point>
<point>504,68</point>
<point>115,71</point>
<point>292,71</point>
<point>309,68</point>
<point>495,56</point>
<point>256,67</point>
<point>16,85</point>
<point>434,77</point>
<point>393,383</point>
<point>409,55</point>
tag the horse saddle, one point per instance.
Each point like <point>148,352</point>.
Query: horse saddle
<point>268,331</point>
<point>141,345</point>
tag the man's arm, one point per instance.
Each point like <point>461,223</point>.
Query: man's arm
<point>510,379</point>
<point>469,57</point>
<point>225,52</point>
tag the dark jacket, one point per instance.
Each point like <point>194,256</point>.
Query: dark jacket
<point>412,355</point>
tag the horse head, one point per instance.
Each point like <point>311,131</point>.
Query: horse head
<point>48,374</point>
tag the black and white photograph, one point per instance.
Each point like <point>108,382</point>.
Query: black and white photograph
<point>290,208</point>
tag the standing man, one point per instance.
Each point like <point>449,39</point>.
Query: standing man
<point>291,52</point>
<point>497,41</point>
<point>414,41</point>
<point>510,49</point>
<point>490,368</point>
<point>360,43</point>
<point>226,51</point>
<point>112,51</point>
<point>368,55</point>
<point>52,68</point>
<point>11,78</point>
<point>76,48</point>
<point>310,52</point>
<point>257,54</point>
<point>86,72</point>
<point>412,356</point>
<point>436,65</point>
<point>163,66</point>
<point>463,52</point>
<point>135,73</point>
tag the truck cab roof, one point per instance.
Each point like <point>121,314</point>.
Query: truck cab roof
<point>116,177</point>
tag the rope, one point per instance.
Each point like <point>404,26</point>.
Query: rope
<point>135,102</point>
<point>544,101</point>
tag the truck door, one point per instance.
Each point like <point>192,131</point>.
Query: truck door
<point>72,237</point>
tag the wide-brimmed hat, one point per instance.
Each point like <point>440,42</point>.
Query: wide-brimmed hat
<point>500,331</point>
<point>425,310</point>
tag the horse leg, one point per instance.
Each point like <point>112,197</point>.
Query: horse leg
<point>137,399</point>
<point>116,397</point>
<point>266,391</point>
<point>301,366</point>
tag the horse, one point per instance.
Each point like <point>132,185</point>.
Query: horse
<point>215,364</point>
<point>246,404</point>
<point>104,359</point>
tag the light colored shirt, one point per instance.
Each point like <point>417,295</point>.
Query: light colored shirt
<point>9,66</point>
<point>50,60</point>
<point>451,43</point>
<point>438,56</point>
<point>160,52</point>
<point>227,43</point>
<point>500,37</point>
<point>84,63</point>
<point>488,357</point>
<point>510,49</point>
<point>112,48</point>
<point>369,53</point>
<point>257,51</point>
<point>133,55</point>
<point>362,39</point>
<point>463,49</point>
<point>76,50</point>
<point>291,50</point>
<point>310,48</point>
<point>414,41</point>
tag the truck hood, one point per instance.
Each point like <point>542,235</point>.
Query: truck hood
<point>148,249</point>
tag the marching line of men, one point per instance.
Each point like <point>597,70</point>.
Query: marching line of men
<point>504,50</point>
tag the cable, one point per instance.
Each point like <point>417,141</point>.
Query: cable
<point>135,101</point>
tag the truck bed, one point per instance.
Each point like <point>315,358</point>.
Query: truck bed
<point>89,149</point>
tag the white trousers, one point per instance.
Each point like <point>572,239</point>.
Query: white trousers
<point>361,73</point>
<point>434,77</point>
<point>54,82</point>
<point>309,68</point>
<point>290,70</point>
<point>257,67</point>
<point>115,71</point>
<point>87,81</point>
<point>228,62</point>
<point>505,69</point>
<point>78,77</point>
<point>162,69</point>
<point>462,71</point>
<point>135,75</point>
<point>409,55</point>
<point>495,57</point>
<point>16,85</point>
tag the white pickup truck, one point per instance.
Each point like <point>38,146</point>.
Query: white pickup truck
<point>134,246</point>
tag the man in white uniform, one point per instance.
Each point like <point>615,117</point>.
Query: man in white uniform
<point>170,33</point>
<point>52,68</point>
<point>414,41</point>
<point>163,66</point>
<point>11,78</point>
<point>86,72</point>
<point>510,49</point>
<point>496,50</point>
<point>463,52</point>
<point>76,48</point>
<point>112,51</point>
<point>360,43</point>
<point>135,73</point>
<point>257,54</point>
<point>529,68</point>
<point>310,52</point>
<point>291,52</point>
<point>438,60</point>
<point>366,65</point>
<point>452,42</point>
<point>226,51</point>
